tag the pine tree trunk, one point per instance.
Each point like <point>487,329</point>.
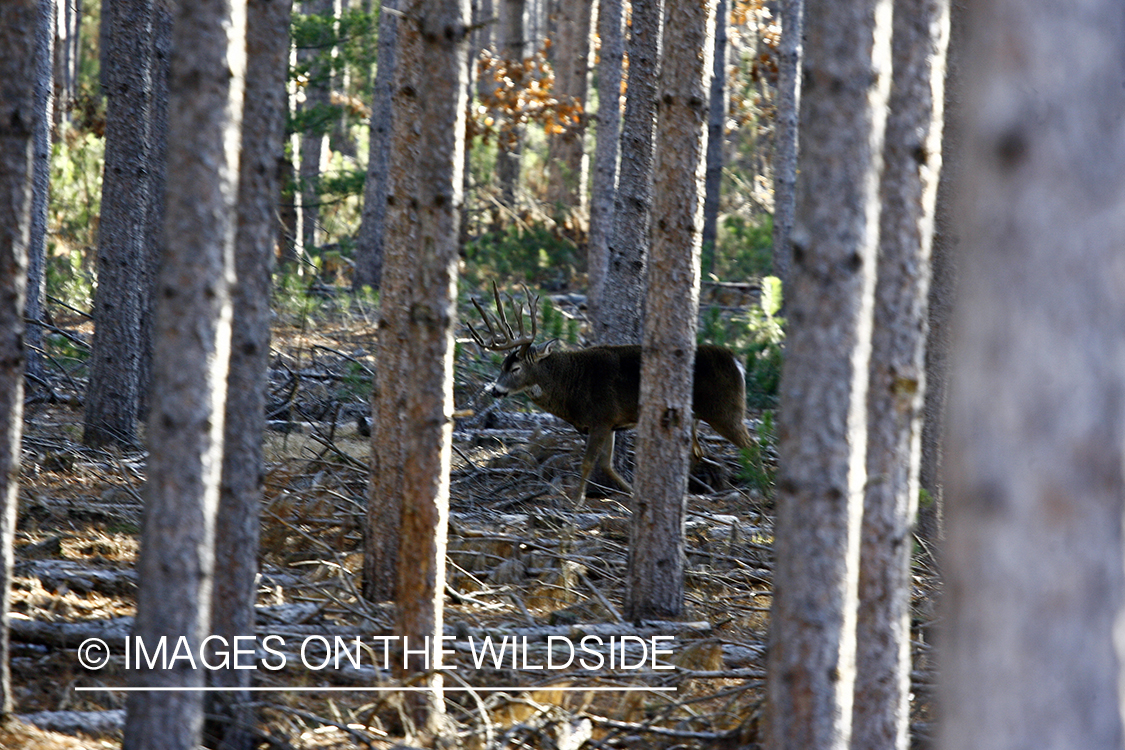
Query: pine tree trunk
<point>943,290</point>
<point>513,48</point>
<point>912,165</point>
<point>370,241</point>
<point>18,114</point>
<point>384,513</point>
<point>716,138</point>
<point>314,139</point>
<point>822,425</point>
<point>193,330</point>
<point>66,51</point>
<point>37,248</point>
<point>236,533</point>
<point>788,137</point>
<point>611,30</point>
<point>163,14</point>
<point>1034,550</point>
<point>568,164</point>
<point>665,424</point>
<point>621,314</point>
<point>112,396</point>
<point>411,438</point>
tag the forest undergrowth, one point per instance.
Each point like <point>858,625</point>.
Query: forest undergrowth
<point>523,563</point>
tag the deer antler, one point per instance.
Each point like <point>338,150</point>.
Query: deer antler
<point>501,337</point>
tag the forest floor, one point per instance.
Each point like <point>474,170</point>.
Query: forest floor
<point>523,564</point>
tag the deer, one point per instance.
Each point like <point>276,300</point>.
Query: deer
<point>597,389</point>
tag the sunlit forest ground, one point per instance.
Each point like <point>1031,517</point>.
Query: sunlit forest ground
<point>523,562</point>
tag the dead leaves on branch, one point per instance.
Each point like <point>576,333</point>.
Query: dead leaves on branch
<point>517,93</point>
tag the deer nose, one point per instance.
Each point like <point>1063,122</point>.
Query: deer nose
<point>495,390</point>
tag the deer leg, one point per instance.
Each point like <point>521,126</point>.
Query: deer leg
<point>595,443</point>
<point>607,463</point>
<point>599,452</point>
<point>696,448</point>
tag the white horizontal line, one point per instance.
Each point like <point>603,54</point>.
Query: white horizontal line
<point>293,689</point>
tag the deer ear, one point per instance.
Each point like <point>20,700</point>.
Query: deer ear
<point>542,350</point>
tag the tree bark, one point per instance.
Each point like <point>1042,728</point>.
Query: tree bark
<point>67,50</point>
<point>1033,557</point>
<point>185,433</point>
<point>943,289</point>
<point>163,12</point>
<point>37,248</point>
<point>621,313</point>
<point>513,49</point>
<point>666,424</point>
<point>371,239</point>
<point>567,162</point>
<point>788,136</point>
<point>822,425</point>
<point>314,139</point>
<point>236,534</point>
<point>413,398</point>
<point>912,165</point>
<point>112,396</point>
<point>18,122</point>
<point>611,29</point>
<point>716,138</point>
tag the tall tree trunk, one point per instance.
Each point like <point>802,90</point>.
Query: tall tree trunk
<point>912,165</point>
<point>716,138</point>
<point>112,396</point>
<point>822,427</point>
<point>788,137</point>
<point>513,50</point>
<point>464,228</point>
<point>67,51</point>
<point>611,29</point>
<point>163,13</point>
<point>1034,563</point>
<point>412,435</point>
<point>18,114</point>
<point>943,289</point>
<point>372,229</point>
<point>236,534</point>
<point>185,432</point>
<point>289,220</point>
<point>37,248</point>
<point>666,424</point>
<point>568,164</point>
<point>314,138</point>
<point>620,317</point>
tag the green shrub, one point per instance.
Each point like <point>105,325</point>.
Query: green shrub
<point>745,248</point>
<point>758,335</point>
<point>531,254</point>
<point>73,213</point>
<point>757,471</point>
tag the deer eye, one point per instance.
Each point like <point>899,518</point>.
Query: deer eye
<point>517,367</point>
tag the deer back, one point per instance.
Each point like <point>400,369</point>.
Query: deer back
<point>589,387</point>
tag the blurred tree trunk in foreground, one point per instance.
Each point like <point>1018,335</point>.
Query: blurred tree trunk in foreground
<point>912,165</point>
<point>190,360</point>
<point>823,414</point>
<point>1035,485</point>
<point>18,110</point>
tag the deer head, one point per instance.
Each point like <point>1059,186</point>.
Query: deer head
<point>516,372</point>
<point>597,390</point>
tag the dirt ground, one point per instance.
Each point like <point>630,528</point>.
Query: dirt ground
<point>523,564</point>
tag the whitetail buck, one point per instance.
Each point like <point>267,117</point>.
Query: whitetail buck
<point>597,390</point>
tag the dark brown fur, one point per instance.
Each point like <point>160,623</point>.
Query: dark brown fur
<point>597,390</point>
